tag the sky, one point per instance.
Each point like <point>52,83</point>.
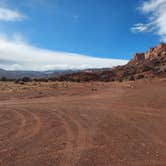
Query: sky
<point>77,34</point>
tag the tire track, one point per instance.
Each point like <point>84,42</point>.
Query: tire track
<point>156,139</point>
<point>69,150</point>
<point>24,130</point>
<point>77,138</point>
<point>35,130</point>
<point>29,126</point>
<point>10,123</point>
<point>21,126</point>
<point>137,110</point>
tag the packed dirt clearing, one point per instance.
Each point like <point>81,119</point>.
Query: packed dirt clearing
<point>83,124</point>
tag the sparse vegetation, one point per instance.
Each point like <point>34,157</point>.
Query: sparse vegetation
<point>139,76</point>
<point>3,79</point>
<point>26,79</point>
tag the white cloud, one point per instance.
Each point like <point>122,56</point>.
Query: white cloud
<point>10,15</point>
<point>17,37</point>
<point>155,10</point>
<point>139,27</point>
<point>16,55</point>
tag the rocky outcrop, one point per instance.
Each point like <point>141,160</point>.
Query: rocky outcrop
<point>151,53</point>
<point>158,51</point>
<point>149,64</point>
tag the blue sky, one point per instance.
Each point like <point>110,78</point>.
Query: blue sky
<point>104,29</point>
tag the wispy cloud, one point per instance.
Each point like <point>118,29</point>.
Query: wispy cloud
<point>139,27</point>
<point>155,11</point>
<point>7,14</point>
<point>17,55</point>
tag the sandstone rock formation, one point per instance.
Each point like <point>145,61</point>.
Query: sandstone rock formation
<point>156,52</point>
<point>137,57</point>
<point>151,53</point>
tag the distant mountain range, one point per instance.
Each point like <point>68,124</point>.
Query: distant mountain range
<point>20,74</point>
<point>32,74</point>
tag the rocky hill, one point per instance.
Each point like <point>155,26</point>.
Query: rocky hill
<point>150,64</point>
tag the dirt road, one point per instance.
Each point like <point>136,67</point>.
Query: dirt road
<point>69,124</point>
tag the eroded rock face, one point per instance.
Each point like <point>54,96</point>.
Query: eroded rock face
<point>156,52</point>
<point>137,58</point>
<point>149,53</point>
<point>152,53</point>
<point>145,65</point>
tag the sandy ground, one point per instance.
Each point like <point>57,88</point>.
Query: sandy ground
<point>83,124</point>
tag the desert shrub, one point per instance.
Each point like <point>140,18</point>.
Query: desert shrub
<point>19,81</point>
<point>120,79</point>
<point>94,89</point>
<point>140,76</point>
<point>112,79</point>
<point>52,79</point>
<point>3,79</point>
<point>26,79</point>
<point>39,79</point>
<point>104,77</point>
<point>44,80</point>
<point>76,80</point>
<point>131,78</point>
<point>54,86</point>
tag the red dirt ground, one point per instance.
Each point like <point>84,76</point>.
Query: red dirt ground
<point>83,124</point>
